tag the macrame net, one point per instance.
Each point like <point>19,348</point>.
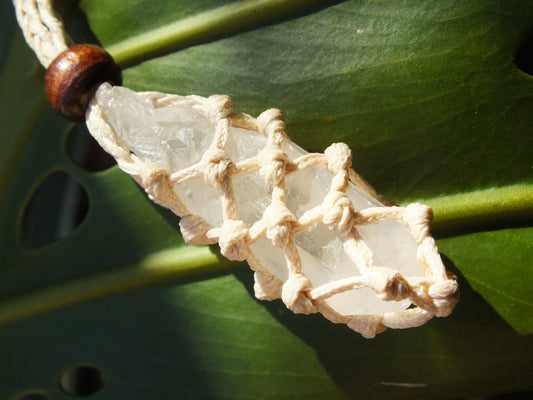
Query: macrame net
<point>433,293</point>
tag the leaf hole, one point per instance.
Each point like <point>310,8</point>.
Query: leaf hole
<point>55,209</point>
<point>33,396</point>
<point>524,56</point>
<point>85,151</point>
<point>82,380</point>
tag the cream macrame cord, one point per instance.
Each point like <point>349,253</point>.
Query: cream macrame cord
<point>433,294</point>
<point>42,29</point>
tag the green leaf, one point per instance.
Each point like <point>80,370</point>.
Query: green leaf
<point>498,264</point>
<point>431,102</point>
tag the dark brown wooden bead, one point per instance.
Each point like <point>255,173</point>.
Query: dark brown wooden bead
<point>75,74</point>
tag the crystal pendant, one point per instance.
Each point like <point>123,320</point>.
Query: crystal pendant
<point>175,136</point>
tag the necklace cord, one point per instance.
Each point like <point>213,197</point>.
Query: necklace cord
<point>42,28</point>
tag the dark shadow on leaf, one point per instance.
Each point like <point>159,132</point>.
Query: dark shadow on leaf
<point>55,209</point>
<point>458,227</point>
<point>524,56</point>
<point>75,21</point>
<point>85,151</point>
<point>398,363</point>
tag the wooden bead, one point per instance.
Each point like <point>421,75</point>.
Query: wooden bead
<point>73,77</point>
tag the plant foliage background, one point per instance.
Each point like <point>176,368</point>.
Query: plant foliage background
<point>428,96</point>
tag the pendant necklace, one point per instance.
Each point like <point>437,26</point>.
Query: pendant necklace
<point>314,232</point>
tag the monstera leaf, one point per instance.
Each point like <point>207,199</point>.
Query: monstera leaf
<point>100,297</point>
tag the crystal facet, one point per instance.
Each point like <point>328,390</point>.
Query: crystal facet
<point>176,137</point>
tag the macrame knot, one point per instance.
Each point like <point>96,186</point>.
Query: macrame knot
<point>367,325</point>
<point>279,222</point>
<point>155,183</point>
<point>388,284</point>
<point>267,286</point>
<point>338,212</point>
<point>219,107</point>
<point>418,218</point>
<point>339,158</point>
<point>217,166</point>
<point>445,295</point>
<point>358,218</point>
<point>294,297</point>
<point>271,124</point>
<point>273,164</point>
<point>194,230</point>
<point>232,239</point>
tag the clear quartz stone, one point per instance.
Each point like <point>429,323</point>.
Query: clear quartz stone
<point>177,136</point>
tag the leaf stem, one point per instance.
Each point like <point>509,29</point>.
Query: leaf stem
<point>165,266</point>
<point>483,209</point>
<point>210,25</point>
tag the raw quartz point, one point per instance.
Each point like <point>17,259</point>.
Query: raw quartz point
<point>176,137</point>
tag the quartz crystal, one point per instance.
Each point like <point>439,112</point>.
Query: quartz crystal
<point>177,136</point>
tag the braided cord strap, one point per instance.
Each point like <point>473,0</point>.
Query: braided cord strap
<point>432,294</point>
<point>42,28</point>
